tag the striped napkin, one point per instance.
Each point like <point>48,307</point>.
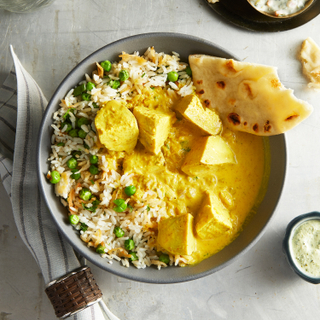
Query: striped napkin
<point>21,107</point>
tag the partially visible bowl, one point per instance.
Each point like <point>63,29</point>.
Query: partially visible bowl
<point>288,243</point>
<point>184,45</point>
<point>282,16</point>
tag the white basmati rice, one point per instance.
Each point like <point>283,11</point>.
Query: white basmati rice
<point>97,217</point>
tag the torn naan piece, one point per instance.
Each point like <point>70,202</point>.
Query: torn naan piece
<point>248,97</point>
<point>310,60</point>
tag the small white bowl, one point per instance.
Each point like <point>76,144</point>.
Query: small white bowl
<point>287,248</point>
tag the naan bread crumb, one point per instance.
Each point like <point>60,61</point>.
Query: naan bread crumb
<point>310,60</point>
<point>248,97</point>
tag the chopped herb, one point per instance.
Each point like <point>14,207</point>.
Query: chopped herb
<point>130,207</point>
<point>152,88</point>
<point>78,90</point>
<point>83,227</point>
<point>86,96</point>
<point>67,115</point>
<point>92,182</point>
<point>95,204</point>
<point>148,208</point>
<point>188,71</point>
<point>95,105</point>
<point>186,149</point>
<point>86,146</point>
<point>168,146</point>
<point>143,75</point>
<point>60,144</point>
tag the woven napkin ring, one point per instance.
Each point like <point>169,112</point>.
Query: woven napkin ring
<point>73,292</point>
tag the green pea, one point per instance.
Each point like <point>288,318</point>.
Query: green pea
<point>90,86</point>
<point>83,227</point>
<point>100,249</point>
<point>106,65</point>
<point>94,159</point>
<point>74,219</point>
<point>164,258</point>
<point>172,76</point>
<point>118,232</point>
<point>78,90</point>
<point>134,256</point>
<point>82,121</point>
<point>82,134</point>
<point>75,175</point>
<point>55,177</point>
<point>130,190</point>
<point>120,205</point>
<point>60,144</point>
<point>123,75</point>
<point>93,169</point>
<point>114,84</point>
<point>72,163</point>
<point>188,71</point>
<point>69,126</point>
<point>85,194</point>
<point>129,244</point>
<point>73,133</point>
<point>86,96</point>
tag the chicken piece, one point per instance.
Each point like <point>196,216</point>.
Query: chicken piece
<point>204,118</point>
<point>213,219</point>
<point>117,127</point>
<point>176,235</point>
<point>154,127</point>
<point>136,162</point>
<point>226,198</point>
<point>207,152</point>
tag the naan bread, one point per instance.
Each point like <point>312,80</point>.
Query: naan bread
<point>248,97</point>
<point>310,59</point>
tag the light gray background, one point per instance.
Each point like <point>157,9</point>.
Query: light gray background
<point>260,285</point>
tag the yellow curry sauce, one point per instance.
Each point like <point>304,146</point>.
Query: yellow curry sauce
<point>240,186</point>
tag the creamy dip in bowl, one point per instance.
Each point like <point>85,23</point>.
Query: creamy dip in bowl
<point>280,8</point>
<point>301,245</point>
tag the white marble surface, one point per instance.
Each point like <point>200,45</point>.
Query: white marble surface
<point>259,285</point>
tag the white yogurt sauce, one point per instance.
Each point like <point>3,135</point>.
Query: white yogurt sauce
<point>279,7</point>
<point>305,247</point>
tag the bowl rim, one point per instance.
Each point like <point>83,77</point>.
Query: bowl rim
<point>291,227</point>
<point>83,250</point>
<point>307,5</point>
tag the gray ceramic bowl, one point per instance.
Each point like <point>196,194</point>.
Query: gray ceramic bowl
<point>287,249</point>
<point>184,45</point>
